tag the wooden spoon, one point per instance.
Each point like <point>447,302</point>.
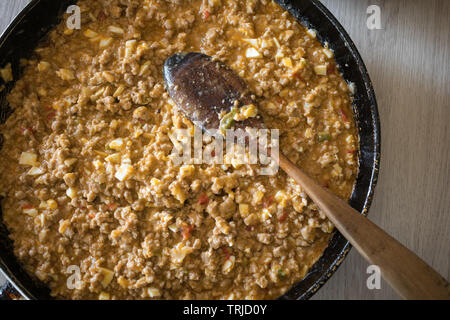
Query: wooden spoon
<point>203,88</point>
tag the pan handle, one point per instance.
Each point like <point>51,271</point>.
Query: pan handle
<point>8,292</point>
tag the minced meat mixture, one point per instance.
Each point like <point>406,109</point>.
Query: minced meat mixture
<point>87,177</point>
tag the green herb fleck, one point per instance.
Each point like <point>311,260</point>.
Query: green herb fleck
<point>282,274</point>
<point>324,136</point>
<point>227,121</point>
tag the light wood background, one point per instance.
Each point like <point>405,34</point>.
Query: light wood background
<point>409,63</point>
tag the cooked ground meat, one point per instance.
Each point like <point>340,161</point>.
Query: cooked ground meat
<point>86,169</point>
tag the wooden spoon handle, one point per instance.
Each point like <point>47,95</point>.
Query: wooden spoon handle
<point>408,275</point>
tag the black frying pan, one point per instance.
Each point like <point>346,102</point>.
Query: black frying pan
<point>34,22</point>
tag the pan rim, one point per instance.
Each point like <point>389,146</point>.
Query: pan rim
<point>343,252</point>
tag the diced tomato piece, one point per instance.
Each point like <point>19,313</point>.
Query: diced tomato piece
<point>91,215</point>
<point>268,202</point>
<point>24,131</point>
<point>112,206</point>
<point>203,199</point>
<point>187,231</point>
<point>351,151</point>
<point>51,115</point>
<point>283,217</point>
<point>213,153</point>
<point>226,252</point>
<point>343,115</point>
<point>27,206</point>
<point>206,14</point>
<point>331,68</point>
<point>101,16</point>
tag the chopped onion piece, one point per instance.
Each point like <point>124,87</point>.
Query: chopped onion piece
<point>29,159</point>
<point>252,53</point>
<point>321,70</point>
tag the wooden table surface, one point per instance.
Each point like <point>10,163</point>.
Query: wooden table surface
<point>409,63</point>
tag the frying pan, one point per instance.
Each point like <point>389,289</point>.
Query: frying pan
<point>40,16</point>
